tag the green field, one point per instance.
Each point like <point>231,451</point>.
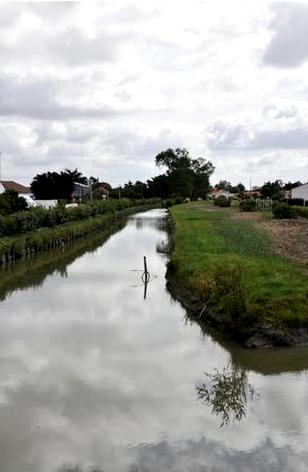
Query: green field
<point>233,268</point>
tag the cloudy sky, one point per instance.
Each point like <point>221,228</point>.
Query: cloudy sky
<point>106,86</point>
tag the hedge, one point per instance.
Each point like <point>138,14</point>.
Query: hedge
<point>301,211</point>
<point>36,218</point>
<point>25,245</point>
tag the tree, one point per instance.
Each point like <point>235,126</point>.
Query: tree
<point>227,393</point>
<point>77,176</point>
<point>53,186</point>
<point>291,185</point>
<point>185,176</point>
<point>224,185</point>
<point>271,189</point>
<point>10,202</point>
<point>240,188</point>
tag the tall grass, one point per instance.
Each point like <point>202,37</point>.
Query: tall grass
<point>233,267</point>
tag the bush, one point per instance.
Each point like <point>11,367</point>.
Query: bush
<point>179,200</point>
<point>169,202</point>
<point>283,211</point>
<point>248,205</point>
<point>296,201</point>
<point>38,217</point>
<point>301,211</point>
<point>222,201</point>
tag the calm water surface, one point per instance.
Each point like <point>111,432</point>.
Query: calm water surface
<point>93,377</point>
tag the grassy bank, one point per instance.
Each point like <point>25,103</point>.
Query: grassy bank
<point>242,285</point>
<point>44,239</point>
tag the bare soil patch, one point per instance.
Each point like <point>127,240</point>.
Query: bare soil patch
<point>290,236</point>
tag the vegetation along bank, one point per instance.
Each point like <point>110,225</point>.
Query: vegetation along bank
<point>40,230</point>
<point>227,273</point>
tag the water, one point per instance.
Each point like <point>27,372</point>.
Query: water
<point>93,377</point>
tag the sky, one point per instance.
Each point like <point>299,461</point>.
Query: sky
<point>106,86</point>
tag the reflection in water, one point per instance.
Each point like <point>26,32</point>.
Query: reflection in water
<point>80,354</point>
<point>226,393</point>
<point>32,273</point>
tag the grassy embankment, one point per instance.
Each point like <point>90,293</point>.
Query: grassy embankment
<point>23,246</point>
<point>232,268</point>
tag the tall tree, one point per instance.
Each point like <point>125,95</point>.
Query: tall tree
<point>77,176</point>
<point>186,177</point>
<point>271,189</point>
<point>53,186</point>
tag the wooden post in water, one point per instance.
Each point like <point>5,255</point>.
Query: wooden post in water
<point>146,277</point>
<point>145,267</point>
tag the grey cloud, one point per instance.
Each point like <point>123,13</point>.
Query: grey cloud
<point>224,136</point>
<point>210,456</point>
<point>74,48</point>
<point>289,46</point>
<point>38,100</point>
<point>227,136</point>
<point>296,138</point>
<point>56,45</point>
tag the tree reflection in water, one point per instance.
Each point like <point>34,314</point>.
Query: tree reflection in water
<point>227,393</point>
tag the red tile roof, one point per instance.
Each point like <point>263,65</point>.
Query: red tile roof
<point>11,185</point>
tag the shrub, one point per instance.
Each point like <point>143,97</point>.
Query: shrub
<point>179,200</point>
<point>38,217</point>
<point>296,201</point>
<point>169,202</point>
<point>301,211</point>
<point>248,205</point>
<point>283,211</point>
<point>222,201</point>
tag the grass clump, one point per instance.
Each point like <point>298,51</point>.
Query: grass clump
<point>234,269</point>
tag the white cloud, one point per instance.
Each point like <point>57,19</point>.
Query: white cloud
<point>108,86</point>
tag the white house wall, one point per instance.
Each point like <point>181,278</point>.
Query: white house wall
<point>2,189</point>
<point>300,192</point>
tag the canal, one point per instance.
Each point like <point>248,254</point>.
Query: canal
<point>98,374</point>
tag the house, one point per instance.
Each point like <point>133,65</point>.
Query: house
<point>100,191</point>
<point>254,193</point>
<point>81,191</point>
<point>300,192</point>
<point>47,204</point>
<point>220,193</point>
<point>22,190</point>
<point>11,185</point>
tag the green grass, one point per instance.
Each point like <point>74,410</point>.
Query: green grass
<point>234,268</point>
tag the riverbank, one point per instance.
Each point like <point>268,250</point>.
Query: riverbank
<point>25,246</point>
<point>227,273</point>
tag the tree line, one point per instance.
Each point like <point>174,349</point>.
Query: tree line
<point>183,176</point>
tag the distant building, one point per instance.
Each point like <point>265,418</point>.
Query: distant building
<point>220,193</point>
<point>22,190</point>
<point>81,191</point>
<point>11,185</point>
<point>101,191</point>
<point>300,192</point>
<point>46,203</point>
<point>255,193</point>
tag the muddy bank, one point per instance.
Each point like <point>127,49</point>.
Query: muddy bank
<point>257,336</point>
